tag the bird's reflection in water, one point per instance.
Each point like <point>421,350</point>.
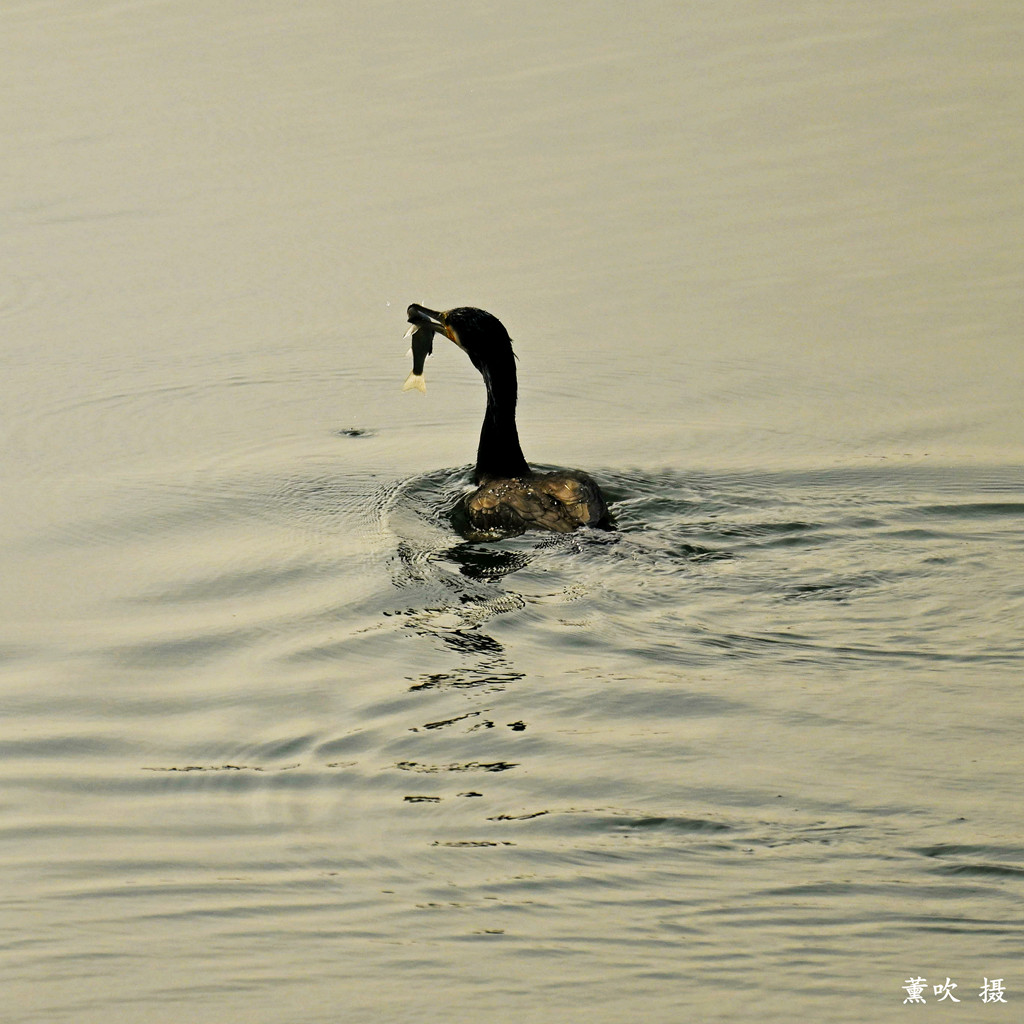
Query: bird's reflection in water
<point>486,562</point>
<point>456,605</point>
<point>453,589</point>
<point>467,678</point>
<point>483,660</point>
<point>417,563</point>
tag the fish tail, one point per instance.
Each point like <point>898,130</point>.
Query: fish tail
<point>417,381</point>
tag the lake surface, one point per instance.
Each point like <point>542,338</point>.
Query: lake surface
<point>278,745</point>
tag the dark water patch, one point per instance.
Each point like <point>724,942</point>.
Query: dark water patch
<point>686,552</point>
<point>888,483</point>
<point>446,722</point>
<point>618,823</point>
<point>281,749</point>
<point>359,740</point>
<point>980,870</point>
<point>840,589</point>
<point>479,844</point>
<point>485,563</point>
<point>468,766</point>
<point>975,860</point>
<point>466,641</point>
<point>466,678</point>
<point>909,921</point>
<point>664,824</point>
<point>778,533</point>
<point>814,834</point>
<point>970,510</point>
<point>747,645</point>
<point>918,535</point>
<point>971,850</point>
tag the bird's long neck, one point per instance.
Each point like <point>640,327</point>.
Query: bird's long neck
<point>499,455</point>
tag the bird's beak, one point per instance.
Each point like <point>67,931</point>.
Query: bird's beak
<point>420,314</point>
<point>417,314</point>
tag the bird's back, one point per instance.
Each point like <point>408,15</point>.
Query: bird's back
<point>559,501</point>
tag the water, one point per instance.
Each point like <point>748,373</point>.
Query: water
<point>279,745</point>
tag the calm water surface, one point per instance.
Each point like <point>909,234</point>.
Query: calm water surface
<point>278,745</point>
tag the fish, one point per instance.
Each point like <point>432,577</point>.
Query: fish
<point>421,335</point>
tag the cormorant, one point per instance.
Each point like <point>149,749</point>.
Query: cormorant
<point>510,497</point>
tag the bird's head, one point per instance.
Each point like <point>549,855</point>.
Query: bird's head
<point>478,333</point>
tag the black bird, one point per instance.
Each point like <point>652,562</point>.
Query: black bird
<point>510,497</point>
